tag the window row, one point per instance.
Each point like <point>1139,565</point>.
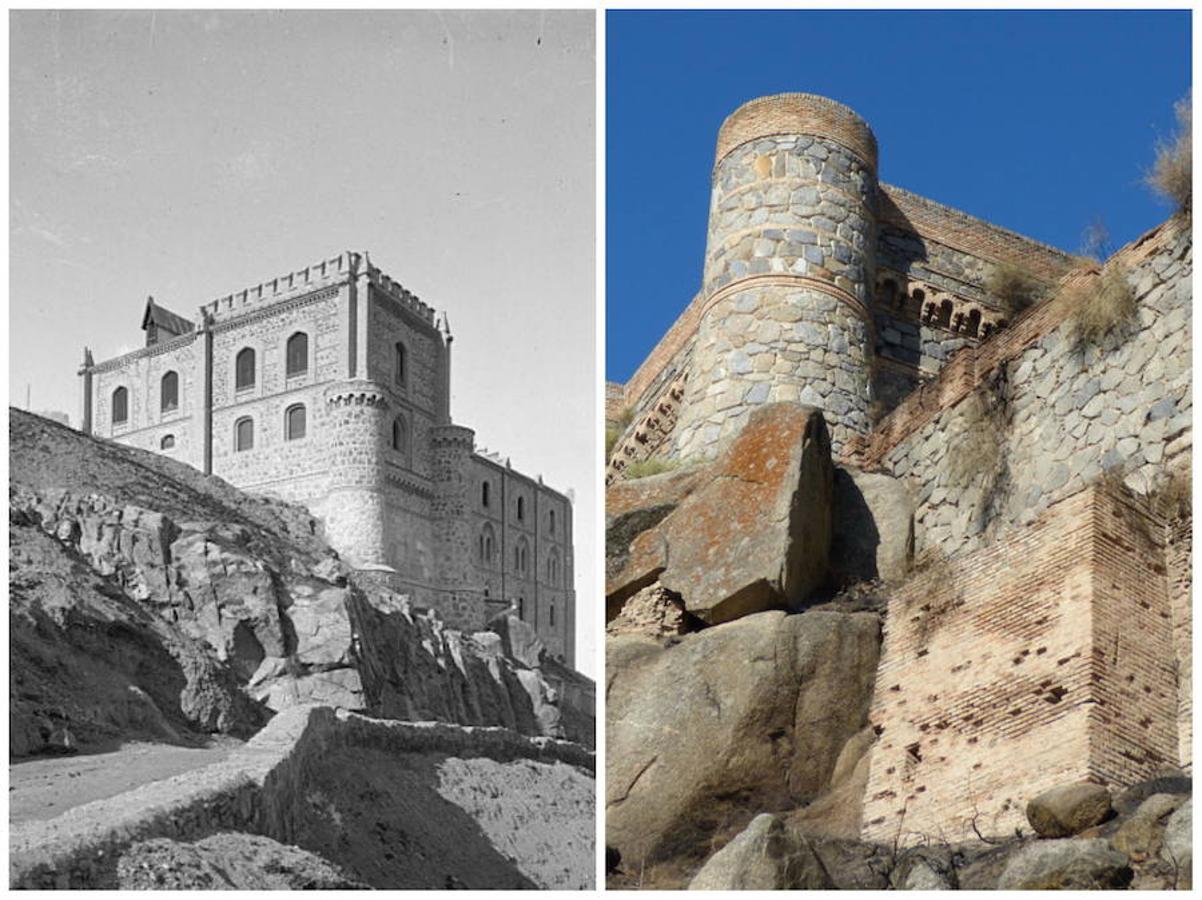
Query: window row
<point>550,611</point>
<point>168,398</point>
<point>520,505</point>
<point>295,425</point>
<point>296,362</point>
<point>486,555</point>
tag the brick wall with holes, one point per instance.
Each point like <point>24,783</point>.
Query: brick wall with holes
<point>1179,555</point>
<point>1042,659</point>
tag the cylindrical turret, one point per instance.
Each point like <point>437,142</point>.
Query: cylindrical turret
<point>789,263</point>
<point>357,421</point>
<point>460,591</point>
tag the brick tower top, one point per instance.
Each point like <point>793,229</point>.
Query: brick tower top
<point>797,113</point>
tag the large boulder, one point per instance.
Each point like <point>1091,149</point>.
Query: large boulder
<point>1068,809</point>
<point>747,716</point>
<point>770,855</point>
<point>756,535</point>
<point>631,508</point>
<point>1065,864</point>
<point>872,527</point>
<point>839,811</point>
<point>1177,842</point>
<point>1140,835</point>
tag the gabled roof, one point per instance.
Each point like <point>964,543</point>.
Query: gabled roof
<point>165,319</point>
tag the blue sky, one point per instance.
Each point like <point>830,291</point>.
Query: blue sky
<point>1039,121</point>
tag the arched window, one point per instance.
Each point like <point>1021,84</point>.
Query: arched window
<point>294,422</point>
<point>551,520</point>
<point>553,567</point>
<point>244,434</point>
<point>487,545</point>
<point>484,493</point>
<point>400,435</point>
<point>521,553</point>
<point>168,442</point>
<point>400,363</point>
<point>551,614</point>
<point>169,392</point>
<point>244,369</point>
<point>120,406</point>
<point>522,608</point>
<point>521,508</point>
<point>297,354</point>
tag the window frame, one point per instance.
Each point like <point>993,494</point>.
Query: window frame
<point>244,420</point>
<point>163,407</point>
<point>303,410</point>
<point>240,388</point>
<point>289,372</point>
<point>123,391</point>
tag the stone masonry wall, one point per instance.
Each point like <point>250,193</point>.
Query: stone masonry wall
<point>1041,659</point>
<point>789,271</point>
<point>1074,411</point>
<point>260,789</point>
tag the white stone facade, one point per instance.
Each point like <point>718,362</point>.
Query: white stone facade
<point>355,424</point>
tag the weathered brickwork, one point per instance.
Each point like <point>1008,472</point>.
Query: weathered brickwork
<point>1042,659</point>
<point>356,425</point>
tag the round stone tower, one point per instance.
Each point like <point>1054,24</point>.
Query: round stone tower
<point>460,592</point>
<point>356,420</point>
<point>789,260</point>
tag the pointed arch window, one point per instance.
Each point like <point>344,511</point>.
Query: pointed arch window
<point>297,355</point>
<point>521,508</point>
<point>120,406</point>
<point>244,369</point>
<point>169,392</point>
<point>484,487</point>
<point>295,422</point>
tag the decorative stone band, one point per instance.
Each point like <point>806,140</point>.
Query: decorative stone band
<point>366,395</point>
<point>453,436</point>
<point>410,484</point>
<point>751,282</point>
<point>917,300</point>
<point>255,315</point>
<point>797,114</point>
<point>118,362</point>
<point>649,434</point>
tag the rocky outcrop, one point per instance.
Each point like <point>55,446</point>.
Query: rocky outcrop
<point>150,601</point>
<point>872,527</point>
<point>1066,864</point>
<point>756,534</point>
<point>1068,809</point>
<point>745,716</point>
<point>227,862</point>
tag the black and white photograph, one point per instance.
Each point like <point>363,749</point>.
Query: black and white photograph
<point>303,448</point>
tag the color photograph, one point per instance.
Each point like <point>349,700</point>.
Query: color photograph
<point>898,439</point>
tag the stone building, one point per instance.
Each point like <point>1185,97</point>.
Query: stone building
<point>330,386</point>
<point>1039,631</point>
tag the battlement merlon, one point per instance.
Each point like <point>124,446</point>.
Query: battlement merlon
<point>260,298</point>
<point>339,269</point>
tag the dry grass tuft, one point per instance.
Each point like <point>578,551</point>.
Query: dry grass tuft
<point>649,467</point>
<point>977,445</point>
<point>1172,173</point>
<point>612,433</point>
<point>1099,306</point>
<point>1014,287</point>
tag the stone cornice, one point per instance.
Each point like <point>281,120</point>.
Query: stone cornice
<point>271,309</point>
<point>118,362</point>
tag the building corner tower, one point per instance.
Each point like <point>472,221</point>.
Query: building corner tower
<point>790,258</point>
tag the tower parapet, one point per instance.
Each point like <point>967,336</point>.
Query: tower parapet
<point>789,266</point>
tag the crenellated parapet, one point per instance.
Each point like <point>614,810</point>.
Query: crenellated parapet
<point>332,271</point>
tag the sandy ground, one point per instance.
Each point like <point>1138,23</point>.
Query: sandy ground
<point>45,787</point>
<point>432,822</point>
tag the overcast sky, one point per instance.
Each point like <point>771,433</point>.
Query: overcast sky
<point>189,154</point>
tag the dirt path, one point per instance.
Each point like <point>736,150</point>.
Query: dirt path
<point>45,787</point>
